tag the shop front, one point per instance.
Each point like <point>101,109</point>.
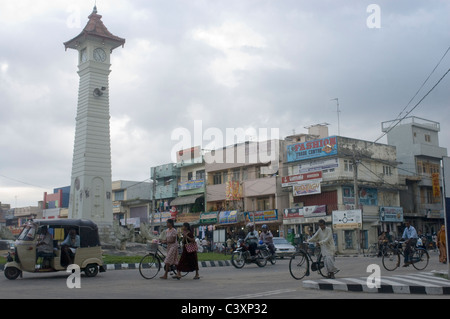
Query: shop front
<point>206,225</point>
<point>265,217</point>
<point>233,222</point>
<point>300,223</point>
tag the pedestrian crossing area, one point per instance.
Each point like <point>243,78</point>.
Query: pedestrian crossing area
<point>417,283</point>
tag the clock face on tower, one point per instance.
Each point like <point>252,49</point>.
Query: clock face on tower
<point>99,55</point>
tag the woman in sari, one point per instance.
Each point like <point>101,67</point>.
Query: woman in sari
<point>188,261</point>
<point>172,247</point>
<point>441,243</point>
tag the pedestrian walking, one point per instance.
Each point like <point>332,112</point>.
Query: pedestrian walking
<point>441,243</point>
<point>188,261</point>
<point>324,237</point>
<point>172,247</point>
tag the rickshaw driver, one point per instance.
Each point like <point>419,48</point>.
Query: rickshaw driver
<point>70,244</point>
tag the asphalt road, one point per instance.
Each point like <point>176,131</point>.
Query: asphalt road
<point>250,282</point>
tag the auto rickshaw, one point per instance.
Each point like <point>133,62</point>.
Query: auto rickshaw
<point>86,251</point>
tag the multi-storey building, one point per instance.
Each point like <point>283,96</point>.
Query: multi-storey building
<point>131,202</point>
<point>320,176</point>
<point>191,185</point>
<point>56,205</point>
<point>243,184</point>
<point>419,156</point>
<point>165,188</point>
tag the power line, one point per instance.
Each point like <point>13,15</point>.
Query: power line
<point>22,182</point>
<point>420,88</point>
<point>415,106</point>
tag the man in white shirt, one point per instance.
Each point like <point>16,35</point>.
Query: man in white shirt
<point>324,237</point>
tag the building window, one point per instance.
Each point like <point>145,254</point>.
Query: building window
<point>225,177</point>
<point>200,174</point>
<point>263,204</point>
<point>348,166</point>
<point>244,174</point>
<point>236,175</point>
<point>387,170</point>
<point>427,138</point>
<point>189,176</point>
<point>119,195</point>
<point>217,178</point>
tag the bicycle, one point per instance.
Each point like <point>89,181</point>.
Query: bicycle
<point>419,257</point>
<point>299,264</point>
<point>375,250</point>
<point>150,264</point>
<point>372,251</point>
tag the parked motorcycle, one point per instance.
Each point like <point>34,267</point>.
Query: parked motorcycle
<point>242,256</point>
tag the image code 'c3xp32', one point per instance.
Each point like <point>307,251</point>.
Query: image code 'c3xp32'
<point>53,245</point>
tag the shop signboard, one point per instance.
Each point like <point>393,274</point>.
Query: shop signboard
<point>307,188</point>
<point>261,216</point>
<point>192,184</point>
<point>208,218</point>
<point>228,217</point>
<point>307,211</point>
<point>347,219</point>
<point>316,165</point>
<point>367,196</point>
<point>312,149</point>
<point>391,214</point>
<point>161,217</point>
<point>436,185</point>
<point>293,180</point>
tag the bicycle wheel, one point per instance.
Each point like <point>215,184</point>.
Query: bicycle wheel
<point>299,265</point>
<point>420,259</point>
<point>149,266</point>
<point>391,259</point>
<point>372,251</point>
<point>321,266</point>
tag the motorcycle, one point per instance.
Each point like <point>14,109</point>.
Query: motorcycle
<point>267,253</point>
<point>242,256</point>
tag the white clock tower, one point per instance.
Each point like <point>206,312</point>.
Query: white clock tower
<point>90,192</point>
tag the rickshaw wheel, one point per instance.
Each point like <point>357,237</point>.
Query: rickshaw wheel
<point>12,273</point>
<point>91,270</point>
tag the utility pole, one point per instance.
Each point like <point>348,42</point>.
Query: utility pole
<point>338,111</point>
<point>356,191</point>
<point>153,197</point>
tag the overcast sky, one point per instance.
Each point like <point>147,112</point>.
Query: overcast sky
<point>229,63</point>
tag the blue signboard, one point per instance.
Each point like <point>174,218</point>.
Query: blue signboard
<point>228,217</point>
<point>312,149</point>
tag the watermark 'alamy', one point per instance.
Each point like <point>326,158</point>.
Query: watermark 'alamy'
<point>231,147</point>
<point>374,279</point>
<point>374,19</point>
<point>74,280</point>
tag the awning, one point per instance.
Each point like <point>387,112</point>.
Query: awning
<point>185,200</point>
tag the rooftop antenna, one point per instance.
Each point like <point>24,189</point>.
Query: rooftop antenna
<point>338,111</point>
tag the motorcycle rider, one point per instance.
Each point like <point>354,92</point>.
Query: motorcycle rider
<point>251,239</point>
<point>267,238</point>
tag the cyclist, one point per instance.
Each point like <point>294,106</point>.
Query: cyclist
<point>410,237</point>
<point>267,238</point>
